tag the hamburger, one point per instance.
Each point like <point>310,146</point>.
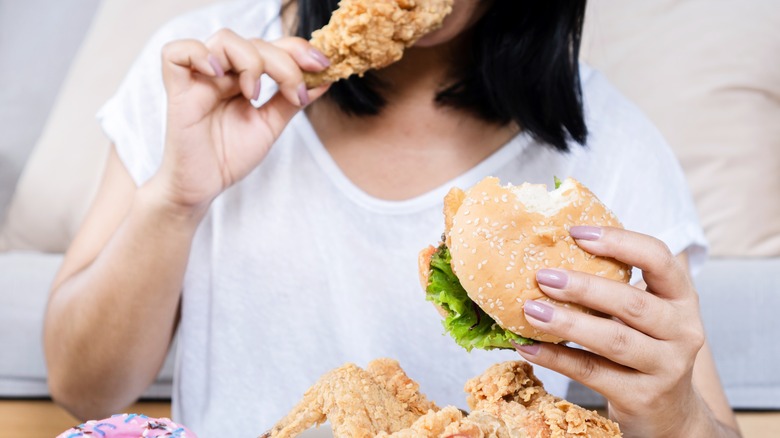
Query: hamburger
<point>495,240</point>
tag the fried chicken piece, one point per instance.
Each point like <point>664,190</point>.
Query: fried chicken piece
<point>507,401</point>
<point>432,424</point>
<point>366,34</point>
<point>358,403</point>
<point>511,392</point>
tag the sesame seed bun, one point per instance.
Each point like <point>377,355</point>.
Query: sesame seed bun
<point>500,236</point>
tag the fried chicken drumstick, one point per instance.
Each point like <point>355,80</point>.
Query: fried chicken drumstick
<point>507,401</point>
<point>370,34</point>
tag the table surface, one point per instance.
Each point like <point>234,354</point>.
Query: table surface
<point>44,419</point>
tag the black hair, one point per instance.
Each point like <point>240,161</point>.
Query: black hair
<point>522,67</point>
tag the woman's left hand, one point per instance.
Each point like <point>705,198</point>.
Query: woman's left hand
<point>642,358</point>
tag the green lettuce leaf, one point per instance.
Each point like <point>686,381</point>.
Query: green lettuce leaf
<point>468,325</point>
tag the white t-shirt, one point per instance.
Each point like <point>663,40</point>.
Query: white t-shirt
<point>296,271</point>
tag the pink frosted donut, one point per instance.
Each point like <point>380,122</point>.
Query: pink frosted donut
<point>128,426</point>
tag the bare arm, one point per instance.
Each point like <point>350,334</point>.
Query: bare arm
<point>113,305</point>
<point>112,309</point>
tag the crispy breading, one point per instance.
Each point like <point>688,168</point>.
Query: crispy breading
<point>507,401</point>
<point>358,403</point>
<point>371,34</point>
<point>510,391</point>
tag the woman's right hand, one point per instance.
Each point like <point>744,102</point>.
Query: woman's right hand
<point>214,136</point>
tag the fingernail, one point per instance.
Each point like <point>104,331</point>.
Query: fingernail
<point>320,58</point>
<point>303,95</point>
<point>215,65</point>
<point>538,310</point>
<point>585,232</point>
<point>553,278</point>
<point>258,86</point>
<point>532,349</point>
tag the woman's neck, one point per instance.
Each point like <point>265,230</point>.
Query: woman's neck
<point>414,145</point>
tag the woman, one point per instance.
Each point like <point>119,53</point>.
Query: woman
<point>280,243</point>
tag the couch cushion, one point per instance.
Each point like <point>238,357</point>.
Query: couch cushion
<point>739,304</point>
<point>24,287</point>
<point>64,169</point>
<point>25,278</point>
<point>707,73</point>
<point>29,88</point>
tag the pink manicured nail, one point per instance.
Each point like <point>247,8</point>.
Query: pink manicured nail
<point>532,349</point>
<point>538,310</point>
<point>215,65</point>
<point>586,232</point>
<point>258,86</point>
<point>552,278</point>
<point>303,95</point>
<point>320,58</point>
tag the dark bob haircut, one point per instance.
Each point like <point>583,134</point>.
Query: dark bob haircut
<point>522,67</point>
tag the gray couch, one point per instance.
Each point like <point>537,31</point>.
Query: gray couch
<point>38,41</point>
<point>740,296</point>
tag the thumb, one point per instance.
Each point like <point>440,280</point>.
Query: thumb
<point>278,111</point>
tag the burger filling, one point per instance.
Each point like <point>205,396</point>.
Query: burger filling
<point>466,322</point>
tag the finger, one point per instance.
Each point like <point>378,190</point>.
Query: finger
<point>234,54</point>
<point>662,272</point>
<point>605,337</point>
<point>186,62</point>
<point>597,373</point>
<point>285,71</point>
<point>278,111</point>
<point>306,55</point>
<point>635,307</point>
<point>180,58</point>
